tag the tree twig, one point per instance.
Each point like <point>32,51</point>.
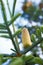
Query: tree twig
<point>34,45</point>
<point>8,7</point>
<point>7,27</point>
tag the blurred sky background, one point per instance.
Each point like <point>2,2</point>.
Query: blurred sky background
<point>5,44</point>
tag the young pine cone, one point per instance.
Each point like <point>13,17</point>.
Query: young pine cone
<point>26,38</point>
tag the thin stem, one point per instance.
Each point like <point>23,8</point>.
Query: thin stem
<point>16,39</point>
<point>4,31</point>
<point>8,7</point>
<point>13,50</point>
<point>14,4</point>
<point>13,18</point>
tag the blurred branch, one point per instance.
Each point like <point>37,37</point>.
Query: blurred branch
<point>34,45</point>
<point>17,32</point>
<point>8,55</point>
<point>5,36</point>
<point>13,50</point>
<point>13,10</point>
<point>16,39</point>
<point>2,26</point>
<point>4,31</point>
<point>13,18</point>
<point>5,20</point>
<point>8,7</point>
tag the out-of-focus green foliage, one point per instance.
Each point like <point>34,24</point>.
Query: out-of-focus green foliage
<point>17,61</point>
<point>0,59</point>
<point>33,37</point>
